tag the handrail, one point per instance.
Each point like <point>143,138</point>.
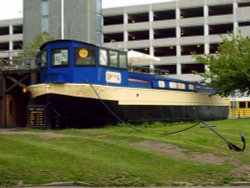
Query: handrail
<point>147,70</point>
<point>18,60</point>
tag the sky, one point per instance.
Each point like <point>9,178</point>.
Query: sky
<point>11,9</point>
<point>14,9</point>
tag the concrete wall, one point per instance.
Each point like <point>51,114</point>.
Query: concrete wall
<point>80,18</point>
<point>31,19</point>
<point>11,37</point>
<point>238,18</point>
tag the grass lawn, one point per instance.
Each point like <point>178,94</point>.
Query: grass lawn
<point>121,156</point>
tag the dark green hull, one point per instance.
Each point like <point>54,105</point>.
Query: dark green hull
<point>65,111</point>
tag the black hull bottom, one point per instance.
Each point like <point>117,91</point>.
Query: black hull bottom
<point>73,112</point>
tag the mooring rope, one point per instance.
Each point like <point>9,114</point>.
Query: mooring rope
<point>112,112</point>
<point>130,126</point>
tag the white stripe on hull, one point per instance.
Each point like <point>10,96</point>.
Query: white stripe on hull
<point>129,96</point>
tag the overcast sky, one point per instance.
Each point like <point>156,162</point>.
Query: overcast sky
<point>13,8</point>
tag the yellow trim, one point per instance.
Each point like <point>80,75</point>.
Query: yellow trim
<point>240,112</point>
<point>129,96</point>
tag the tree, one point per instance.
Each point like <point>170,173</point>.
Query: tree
<point>229,69</point>
<point>37,41</point>
<point>30,50</point>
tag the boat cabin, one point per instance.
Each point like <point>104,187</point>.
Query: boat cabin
<point>65,61</point>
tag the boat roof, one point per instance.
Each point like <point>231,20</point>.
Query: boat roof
<point>65,40</point>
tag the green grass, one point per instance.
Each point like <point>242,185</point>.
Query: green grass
<point>109,157</point>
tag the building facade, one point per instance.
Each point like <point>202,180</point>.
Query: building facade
<point>171,30</point>
<point>174,30</point>
<point>63,19</point>
<point>11,37</point>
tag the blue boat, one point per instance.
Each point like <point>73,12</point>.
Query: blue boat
<point>85,85</point>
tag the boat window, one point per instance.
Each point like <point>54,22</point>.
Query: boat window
<point>242,104</point>
<point>60,57</point>
<point>84,56</point>
<point>123,59</point>
<point>173,85</point>
<point>190,86</point>
<point>113,59</point>
<point>103,57</point>
<point>44,58</point>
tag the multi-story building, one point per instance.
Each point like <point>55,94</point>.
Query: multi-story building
<point>170,30</point>
<point>174,30</point>
<point>67,19</point>
<point>11,37</point>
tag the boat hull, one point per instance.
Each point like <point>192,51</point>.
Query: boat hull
<point>86,105</point>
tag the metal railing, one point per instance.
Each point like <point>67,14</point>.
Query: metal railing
<point>18,60</point>
<point>150,71</point>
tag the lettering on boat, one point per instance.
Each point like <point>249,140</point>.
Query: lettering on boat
<point>161,84</point>
<point>113,77</point>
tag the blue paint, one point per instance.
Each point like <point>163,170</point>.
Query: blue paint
<point>96,73</point>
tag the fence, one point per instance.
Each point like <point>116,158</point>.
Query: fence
<point>18,60</point>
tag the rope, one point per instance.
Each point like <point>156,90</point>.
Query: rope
<point>120,119</point>
<point>112,112</point>
<point>182,130</point>
<point>130,126</point>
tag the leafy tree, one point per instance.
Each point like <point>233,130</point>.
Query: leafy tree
<point>37,41</point>
<point>229,69</point>
<point>30,50</point>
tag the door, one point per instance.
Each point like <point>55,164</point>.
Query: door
<point>10,114</point>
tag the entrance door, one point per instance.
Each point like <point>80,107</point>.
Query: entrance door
<point>16,110</point>
<point>10,112</point>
